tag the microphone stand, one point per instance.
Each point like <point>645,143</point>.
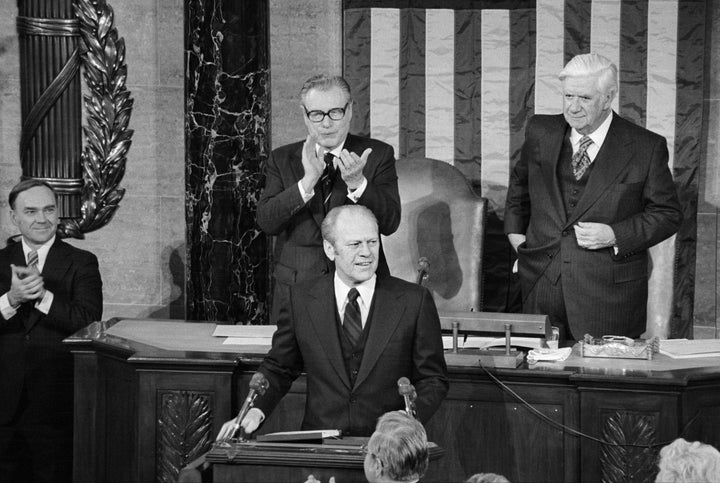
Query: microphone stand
<point>258,385</point>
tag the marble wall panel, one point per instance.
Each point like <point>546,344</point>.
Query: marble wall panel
<point>226,123</point>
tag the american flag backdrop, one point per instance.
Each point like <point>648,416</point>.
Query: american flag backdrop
<point>456,80</point>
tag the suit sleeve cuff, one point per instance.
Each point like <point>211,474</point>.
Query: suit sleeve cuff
<point>44,304</point>
<point>6,309</point>
<point>305,196</point>
<point>358,192</point>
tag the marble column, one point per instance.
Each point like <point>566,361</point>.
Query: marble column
<point>226,130</point>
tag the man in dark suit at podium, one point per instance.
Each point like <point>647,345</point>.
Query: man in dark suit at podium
<point>49,289</point>
<point>389,328</point>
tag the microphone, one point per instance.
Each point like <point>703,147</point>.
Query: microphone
<point>423,270</point>
<point>407,391</point>
<point>258,385</point>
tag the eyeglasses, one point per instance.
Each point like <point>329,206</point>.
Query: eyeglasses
<point>335,113</point>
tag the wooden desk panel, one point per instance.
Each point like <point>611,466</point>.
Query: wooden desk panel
<point>142,412</point>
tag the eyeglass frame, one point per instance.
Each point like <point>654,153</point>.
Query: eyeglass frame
<point>343,110</point>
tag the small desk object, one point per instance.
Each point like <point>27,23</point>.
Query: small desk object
<point>491,322</point>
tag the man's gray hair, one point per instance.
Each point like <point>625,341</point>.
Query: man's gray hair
<point>400,443</point>
<point>593,65</point>
<point>324,82</point>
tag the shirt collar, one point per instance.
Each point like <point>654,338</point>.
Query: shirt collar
<point>321,150</point>
<point>366,290</point>
<point>598,135</point>
<point>42,250</point>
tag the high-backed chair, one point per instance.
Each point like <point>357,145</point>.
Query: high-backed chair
<point>442,225</point>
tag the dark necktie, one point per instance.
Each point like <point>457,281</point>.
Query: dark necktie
<point>327,179</point>
<point>32,259</point>
<point>352,323</point>
<point>581,159</point>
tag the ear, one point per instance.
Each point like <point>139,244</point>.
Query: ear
<point>329,250</point>
<point>13,218</point>
<point>610,96</point>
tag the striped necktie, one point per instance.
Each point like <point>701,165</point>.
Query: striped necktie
<point>581,159</point>
<point>327,179</point>
<point>352,322</point>
<point>32,259</point>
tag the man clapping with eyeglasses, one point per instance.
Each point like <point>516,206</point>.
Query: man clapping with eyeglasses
<point>306,179</point>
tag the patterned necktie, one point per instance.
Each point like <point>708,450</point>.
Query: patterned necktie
<point>327,179</point>
<point>32,259</point>
<point>352,323</point>
<point>581,159</point>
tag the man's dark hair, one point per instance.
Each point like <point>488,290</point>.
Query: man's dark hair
<point>25,185</point>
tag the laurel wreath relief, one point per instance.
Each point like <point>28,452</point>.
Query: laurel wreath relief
<point>107,107</point>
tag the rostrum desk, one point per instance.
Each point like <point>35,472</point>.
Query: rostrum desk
<point>143,409</point>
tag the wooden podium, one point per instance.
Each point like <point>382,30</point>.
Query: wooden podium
<point>256,462</point>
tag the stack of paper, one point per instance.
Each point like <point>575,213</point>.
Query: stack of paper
<point>684,348</point>
<point>255,335</point>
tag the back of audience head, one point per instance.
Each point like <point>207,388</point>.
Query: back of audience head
<point>397,450</point>
<point>684,462</point>
<point>487,478</point>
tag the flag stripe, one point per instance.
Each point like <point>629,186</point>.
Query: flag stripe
<point>384,77</point>
<point>661,73</point>
<point>549,54</point>
<point>468,70</point>
<point>577,29</point>
<point>356,65</point>
<point>412,82</point>
<point>522,66</point>
<point>440,83</point>
<point>688,153</point>
<point>495,109</point>
<point>633,61</point>
<point>605,33</point>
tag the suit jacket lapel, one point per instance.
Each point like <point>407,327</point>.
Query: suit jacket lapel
<point>323,317</point>
<point>551,151</point>
<point>386,315</point>
<point>610,162</point>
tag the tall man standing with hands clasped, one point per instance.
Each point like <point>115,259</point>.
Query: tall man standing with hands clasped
<point>588,197</point>
<point>48,290</point>
<point>305,180</point>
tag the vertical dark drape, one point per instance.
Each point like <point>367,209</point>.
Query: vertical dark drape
<point>227,139</point>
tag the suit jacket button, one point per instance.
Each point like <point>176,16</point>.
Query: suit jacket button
<point>27,336</point>
<point>353,400</point>
<point>565,233</point>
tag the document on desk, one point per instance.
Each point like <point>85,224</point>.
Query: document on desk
<point>685,349</point>
<point>246,334</point>
<point>476,342</point>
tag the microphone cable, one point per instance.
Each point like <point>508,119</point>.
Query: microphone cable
<point>564,428</point>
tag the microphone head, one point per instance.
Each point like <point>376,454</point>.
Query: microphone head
<point>259,383</point>
<point>404,386</point>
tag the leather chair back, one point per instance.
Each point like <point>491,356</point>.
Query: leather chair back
<point>443,221</point>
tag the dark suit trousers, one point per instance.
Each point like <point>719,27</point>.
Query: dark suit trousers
<point>547,298</point>
<point>36,448</point>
